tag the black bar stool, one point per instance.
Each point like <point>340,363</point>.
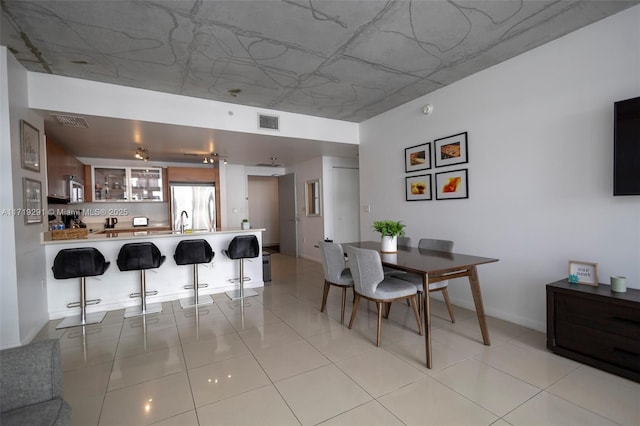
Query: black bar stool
<point>193,252</point>
<point>80,263</point>
<point>242,247</point>
<point>140,257</point>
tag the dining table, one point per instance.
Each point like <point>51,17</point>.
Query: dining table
<point>435,266</point>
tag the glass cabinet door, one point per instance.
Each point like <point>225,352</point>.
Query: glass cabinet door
<point>146,184</point>
<point>110,184</point>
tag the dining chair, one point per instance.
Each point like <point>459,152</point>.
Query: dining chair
<point>335,272</point>
<point>371,283</point>
<point>431,244</point>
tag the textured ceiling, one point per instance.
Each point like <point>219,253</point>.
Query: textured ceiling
<point>348,60</point>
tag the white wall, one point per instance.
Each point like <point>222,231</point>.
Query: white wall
<point>24,298</point>
<point>65,94</point>
<point>540,167</point>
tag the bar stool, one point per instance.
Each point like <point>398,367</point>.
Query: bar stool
<point>242,247</point>
<point>193,252</point>
<point>80,263</point>
<point>140,257</point>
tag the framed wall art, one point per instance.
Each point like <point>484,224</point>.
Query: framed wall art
<point>29,146</point>
<point>417,158</point>
<point>451,150</point>
<point>32,201</point>
<point>452,185</point>
<point>418,188</point>
<point>583,273</point>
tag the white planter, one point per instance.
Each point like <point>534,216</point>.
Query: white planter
<point>389,244</point>
<point>245,225</point>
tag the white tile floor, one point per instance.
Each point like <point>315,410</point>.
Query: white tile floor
<point>282,362</point>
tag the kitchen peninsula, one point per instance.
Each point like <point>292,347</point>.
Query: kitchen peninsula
<point>114,287</point>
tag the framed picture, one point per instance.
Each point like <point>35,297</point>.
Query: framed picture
<point>583,272</point>
<point>451,150</point>
<point>30,146</point>
<point>418,188</point>
<point>417,158</point>
<point>32,200</point>
<point>452,185</point>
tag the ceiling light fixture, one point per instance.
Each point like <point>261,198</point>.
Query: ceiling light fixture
<point>212,158</point>
<point>427,109</point>
<point>142,154</point>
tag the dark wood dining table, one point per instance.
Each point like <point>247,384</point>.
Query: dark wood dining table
<point>436,266</point>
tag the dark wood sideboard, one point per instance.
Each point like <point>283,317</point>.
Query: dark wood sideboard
<point>594,326</point>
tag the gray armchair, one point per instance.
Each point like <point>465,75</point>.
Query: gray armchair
<point>31,386</point>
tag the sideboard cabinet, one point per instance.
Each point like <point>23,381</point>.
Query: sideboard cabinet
<point>595,326</point>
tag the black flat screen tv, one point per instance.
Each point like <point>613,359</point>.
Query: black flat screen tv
<point>626,147</point>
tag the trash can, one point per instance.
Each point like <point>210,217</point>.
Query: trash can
<point>266,266</point>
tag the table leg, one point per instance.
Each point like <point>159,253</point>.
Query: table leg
<point>474,282</point>
<point>427,317</point>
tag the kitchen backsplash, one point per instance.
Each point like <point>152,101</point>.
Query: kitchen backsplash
<point>95,214</point>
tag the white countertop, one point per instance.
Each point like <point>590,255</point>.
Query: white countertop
<point>145,233</point>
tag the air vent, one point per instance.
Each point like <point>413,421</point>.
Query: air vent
<point>268,165</point>
<point>269,122</point>
<point>71,121</point>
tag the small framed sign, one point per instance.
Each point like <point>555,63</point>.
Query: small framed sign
<point>583,273</point>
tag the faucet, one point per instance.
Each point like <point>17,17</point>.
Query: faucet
<point>183,214</point>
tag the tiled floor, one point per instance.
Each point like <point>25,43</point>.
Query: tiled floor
<point>279,361</point>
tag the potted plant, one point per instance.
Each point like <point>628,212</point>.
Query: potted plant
<point>245,224</point>
<point>390,230</point>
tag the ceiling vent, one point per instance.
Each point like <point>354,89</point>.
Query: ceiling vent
<point>71,121</point>
<point>268,122</point>
<point>272,164</point>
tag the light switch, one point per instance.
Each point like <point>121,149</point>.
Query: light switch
<point>366,209</point>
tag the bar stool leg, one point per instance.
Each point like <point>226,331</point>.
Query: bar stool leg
<point>241,293</point>
<point>84,318</point>
<point>196,300</point>
<point>143,309</point>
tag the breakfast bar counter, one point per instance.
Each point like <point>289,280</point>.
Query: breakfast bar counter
<point>114,286</point>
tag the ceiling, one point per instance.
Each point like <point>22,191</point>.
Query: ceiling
<point>348,60</point>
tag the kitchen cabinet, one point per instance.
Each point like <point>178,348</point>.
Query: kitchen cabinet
<point>127,184</point>
<point>60,165</point>
<point>110,184</point>
<point>146,184</point>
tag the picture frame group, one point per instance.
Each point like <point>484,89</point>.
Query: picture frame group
<point>445,185</point>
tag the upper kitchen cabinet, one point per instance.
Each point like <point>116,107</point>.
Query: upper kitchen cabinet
<point>110,184</point>
<point>146,184</point>
<point>127,184</point>
<point>62,168</point>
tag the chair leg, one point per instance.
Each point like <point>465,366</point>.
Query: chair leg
<point>344,300</point>
<point>356,302</point>
<point>325,293</point>
<point>414,302</point>
<point>387,309</point>
<point>445,295</point>
<point>379,322</point>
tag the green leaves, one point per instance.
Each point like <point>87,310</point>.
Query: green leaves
<point>389,227</point>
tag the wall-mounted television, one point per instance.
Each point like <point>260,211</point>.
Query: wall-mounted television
<point>626,147</point>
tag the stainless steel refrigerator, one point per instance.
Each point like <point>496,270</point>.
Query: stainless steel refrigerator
<point>193,206</point>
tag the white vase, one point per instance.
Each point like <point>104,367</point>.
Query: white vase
<point>389,244</point>
<point>245,225</point>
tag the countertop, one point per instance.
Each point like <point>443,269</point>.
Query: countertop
<point>143,232</point>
